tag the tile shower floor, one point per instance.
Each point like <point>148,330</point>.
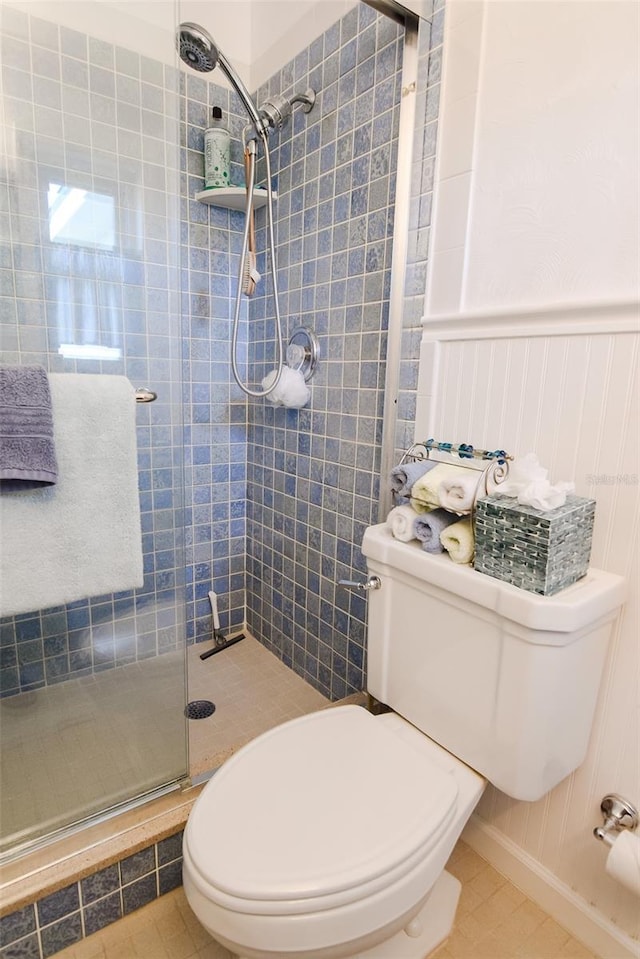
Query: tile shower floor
<point>494,921</point>
<point>252,691</point>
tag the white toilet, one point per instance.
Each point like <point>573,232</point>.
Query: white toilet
<point>327,836</point>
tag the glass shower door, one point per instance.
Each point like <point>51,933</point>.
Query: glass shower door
<point>92,714</point>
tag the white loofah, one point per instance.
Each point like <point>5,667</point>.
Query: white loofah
<point>291,391</point>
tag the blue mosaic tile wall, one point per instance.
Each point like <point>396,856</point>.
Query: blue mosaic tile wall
<point>92,117</point>
<point>215,407</point>
<point>104,117</point>
<point>313,474</point>
<point>56,921</point>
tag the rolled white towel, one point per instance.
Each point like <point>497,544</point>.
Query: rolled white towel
<point>425,492</point>
<point>457,493</point>
<point>402,523</point>
<point>458,541</point>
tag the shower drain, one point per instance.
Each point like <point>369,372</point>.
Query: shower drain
<point>199,709</point>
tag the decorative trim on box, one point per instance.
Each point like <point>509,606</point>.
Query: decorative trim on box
<point>45,927</point>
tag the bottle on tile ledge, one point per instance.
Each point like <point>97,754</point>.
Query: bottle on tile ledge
<point>216,152</point>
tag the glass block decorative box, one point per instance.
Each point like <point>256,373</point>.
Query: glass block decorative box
<point>542,551</point>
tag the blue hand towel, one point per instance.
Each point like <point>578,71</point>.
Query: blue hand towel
<point>404,476</point>
<point>27,449</point>
<point>428,527</point>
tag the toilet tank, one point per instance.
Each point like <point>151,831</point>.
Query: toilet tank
<point>504,679</point>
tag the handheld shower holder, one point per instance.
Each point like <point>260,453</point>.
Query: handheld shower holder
<point>276,111</point>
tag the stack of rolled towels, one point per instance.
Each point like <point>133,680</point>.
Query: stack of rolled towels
<point>433,499</point>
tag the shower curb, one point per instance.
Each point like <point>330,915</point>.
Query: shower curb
<point>42,928</point>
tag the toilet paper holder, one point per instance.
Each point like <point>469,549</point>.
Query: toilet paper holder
<point>618,814</point>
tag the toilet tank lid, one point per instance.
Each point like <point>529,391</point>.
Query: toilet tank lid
<point>319,805</point>
<point>596,595</point>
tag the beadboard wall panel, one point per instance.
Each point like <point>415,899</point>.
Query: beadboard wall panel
<point>554,385</point>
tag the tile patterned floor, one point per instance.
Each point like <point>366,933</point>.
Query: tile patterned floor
<point>495,921</point>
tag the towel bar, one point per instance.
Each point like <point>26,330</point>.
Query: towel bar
<point>144,395</point>
<point>489,476</point>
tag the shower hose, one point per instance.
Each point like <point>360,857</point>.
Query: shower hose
<point>251,148</point>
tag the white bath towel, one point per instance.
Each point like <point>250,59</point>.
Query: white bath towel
<point>457,492</point>
<point>402,523</point>
<point>458,541</point>
<point>81,537</point>
<point>426,491</point>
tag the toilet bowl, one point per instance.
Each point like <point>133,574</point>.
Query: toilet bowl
<point>337,856</point>
<point>327,837</point>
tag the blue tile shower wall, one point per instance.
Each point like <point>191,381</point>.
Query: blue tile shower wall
<point>94,117</point>
<point>90,115</point>
<point>313,474</point>
<point>215,408</point>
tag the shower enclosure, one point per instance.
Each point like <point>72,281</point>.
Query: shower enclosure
<point>93,692</point>
<point>264,506</point>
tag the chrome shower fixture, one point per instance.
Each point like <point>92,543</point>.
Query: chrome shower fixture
<point>198,49</point>
<point>276,111</point>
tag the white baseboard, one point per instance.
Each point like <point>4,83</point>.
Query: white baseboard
<point>556,898</point>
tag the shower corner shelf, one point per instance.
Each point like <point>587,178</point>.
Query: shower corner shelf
<point>234,197</point>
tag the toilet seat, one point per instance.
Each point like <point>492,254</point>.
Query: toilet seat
<point>295,777</point>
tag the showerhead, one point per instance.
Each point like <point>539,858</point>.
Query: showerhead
<point>197,47</point>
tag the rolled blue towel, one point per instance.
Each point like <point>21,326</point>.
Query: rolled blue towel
<point>428,527</point>
<point>404,476</point>
<point>27,449</point>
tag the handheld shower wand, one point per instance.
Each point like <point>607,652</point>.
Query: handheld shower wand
<point>198,49</point>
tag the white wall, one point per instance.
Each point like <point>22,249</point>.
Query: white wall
<point>538,160</point>
<point>258,36</point>
<point>531,343</point>
<point>282,28</point>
